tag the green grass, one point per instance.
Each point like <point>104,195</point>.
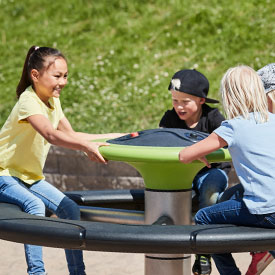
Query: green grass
<point>122,54</point>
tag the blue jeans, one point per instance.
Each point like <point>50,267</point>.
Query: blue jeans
<point>208,185</point>
<point>234,192</point>
<point>232,212</point>
<point>34,199</point>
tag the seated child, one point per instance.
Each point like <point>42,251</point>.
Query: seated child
<point>189,89</point>
<point>249,134</point>
<point>36,122</point>
<point>260,260</point>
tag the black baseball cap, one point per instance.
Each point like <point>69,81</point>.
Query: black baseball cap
<point>191,82</point>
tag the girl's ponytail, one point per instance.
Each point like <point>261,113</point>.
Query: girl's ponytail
<point>25,81</point>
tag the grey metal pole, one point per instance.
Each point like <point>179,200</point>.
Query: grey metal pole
<point>175,206</point>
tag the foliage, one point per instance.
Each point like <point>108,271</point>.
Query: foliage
<point>122,54</point>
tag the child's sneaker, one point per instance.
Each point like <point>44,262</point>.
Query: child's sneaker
<point>202,265</point>
<point>260,260</point>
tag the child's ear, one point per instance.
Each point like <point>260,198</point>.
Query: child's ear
<point>34,75</point>
<point>202,100</point>
<point>271,105</point>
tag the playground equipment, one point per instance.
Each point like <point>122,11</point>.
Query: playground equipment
<point>115,220</point>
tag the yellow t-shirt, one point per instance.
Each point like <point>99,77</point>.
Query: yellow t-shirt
<point>23,151</point>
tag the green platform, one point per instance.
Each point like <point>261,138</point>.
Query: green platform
<point>160,166</point>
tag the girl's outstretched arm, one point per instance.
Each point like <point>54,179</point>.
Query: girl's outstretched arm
<point>65,126</point>
<point>63,138</point>
<point>199,150</point>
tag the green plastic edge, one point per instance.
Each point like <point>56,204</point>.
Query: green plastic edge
<point>160,166</point>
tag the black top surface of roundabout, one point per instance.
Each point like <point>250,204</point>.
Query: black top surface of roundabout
<point>161,137</point>
<point>21,227</point>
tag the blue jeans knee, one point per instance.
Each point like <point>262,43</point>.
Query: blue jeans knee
<point>232,211</point>
<point>68,209</point>
<point>209,185</point>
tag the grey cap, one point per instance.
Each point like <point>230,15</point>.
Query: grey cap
<point>267,74</point>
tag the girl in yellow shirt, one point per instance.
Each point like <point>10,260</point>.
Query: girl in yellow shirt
<point>36,122</point>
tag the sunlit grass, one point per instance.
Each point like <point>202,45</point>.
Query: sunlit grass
<point>121,54</point>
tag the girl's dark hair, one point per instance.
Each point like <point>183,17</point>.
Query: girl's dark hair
<point>35,59</point>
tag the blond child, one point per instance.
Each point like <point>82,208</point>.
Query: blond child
<point>260,260</point>
<point>248,133</point>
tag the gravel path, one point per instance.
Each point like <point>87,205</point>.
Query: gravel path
<point>98,263</point>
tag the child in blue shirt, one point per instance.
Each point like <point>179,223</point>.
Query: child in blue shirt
<point>260,260</point>
<point>249,134</point>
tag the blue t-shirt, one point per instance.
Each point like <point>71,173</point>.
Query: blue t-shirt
<point>252,148</point>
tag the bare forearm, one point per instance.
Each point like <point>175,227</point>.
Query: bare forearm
<point>62,139</point>
<point>201,149</point>
<point>191,153</point>
<point>91,137</point>
<point>65,136</point>
<point>65,126</point>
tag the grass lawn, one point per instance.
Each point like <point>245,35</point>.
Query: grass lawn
<point>122,54</point>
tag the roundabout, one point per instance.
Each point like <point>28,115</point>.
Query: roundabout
<point>155,221</point>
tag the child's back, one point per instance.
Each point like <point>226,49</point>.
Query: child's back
<point>249,135</point>
<point>251,144</point>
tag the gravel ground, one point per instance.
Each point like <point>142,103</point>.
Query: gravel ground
<point>99,263</point>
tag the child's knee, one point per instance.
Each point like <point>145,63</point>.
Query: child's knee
<point>217,180</point>
<point>200,217</point>
<point>68,209</point>
<point>34,206</point>
<point>197,217</point>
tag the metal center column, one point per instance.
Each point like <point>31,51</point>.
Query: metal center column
<point>176,206</point>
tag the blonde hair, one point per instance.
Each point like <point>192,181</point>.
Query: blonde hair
<point>243,92</point>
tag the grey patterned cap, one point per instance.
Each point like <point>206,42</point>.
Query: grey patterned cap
<point>267,74</point>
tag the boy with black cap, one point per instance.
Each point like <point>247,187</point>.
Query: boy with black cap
<point>189,89</point>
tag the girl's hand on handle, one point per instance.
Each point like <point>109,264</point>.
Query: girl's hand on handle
<point>93,152</point>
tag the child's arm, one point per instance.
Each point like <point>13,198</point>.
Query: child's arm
<point>62,138</point>
<point>65,126</point>
<point>199,150</point>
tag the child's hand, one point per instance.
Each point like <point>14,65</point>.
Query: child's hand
<point>93,153</point>
<point>205,161</point>
<point>186,155</point>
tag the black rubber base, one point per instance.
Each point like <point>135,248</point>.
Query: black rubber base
<point>18,226</point>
